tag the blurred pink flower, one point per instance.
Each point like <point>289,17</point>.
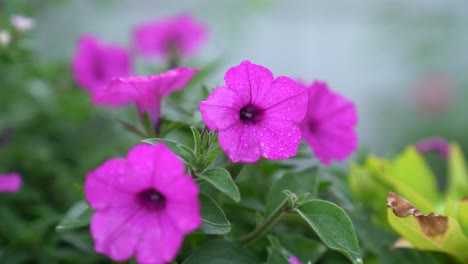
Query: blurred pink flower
<point>95,64</point>
<point>329,123</point>
<point>10,182</point>
<point>145,92</point>
<point>294,260</point>
<point>434,93</point>
<point>159,38</point>
<point>434,144</point>
<point>144,205</point>
<point>255,114</point>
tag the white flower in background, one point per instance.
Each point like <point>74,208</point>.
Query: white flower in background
<point>22,23</point>
<point>5,38</point>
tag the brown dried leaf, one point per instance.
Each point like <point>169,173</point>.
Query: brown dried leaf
<point>432,225</point>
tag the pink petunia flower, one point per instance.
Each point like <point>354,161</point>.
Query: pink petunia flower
<point>95,64</point>
<point>182,34</point>
<point>434,144</point>
<point>10,182</point>
<point>294,260</point>
<point>329,124</point>
<point>144,205</point>
<point>145,92</point>
<point>256,114</point>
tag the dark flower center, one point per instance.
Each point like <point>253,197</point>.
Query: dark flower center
<point>313,126</point>
<point>250,114</point>
<point>151,199</point>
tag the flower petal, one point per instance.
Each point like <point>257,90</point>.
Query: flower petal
<point>175,79</point>
<point>117,232</point>
<point>110,185</point>
<point>278,139</point>
<point>155,165</point>
<point>160,241</point>
<point>286,101</point>
<point>251,81</point>
<point>119,92</point>
<point>221,109</point>
<point>330,144</point>
<point>240,143</point>
<point>10,182</point>
<point>182,204</point>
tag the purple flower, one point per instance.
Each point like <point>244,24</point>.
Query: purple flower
<point>144,205</point>
<point>145,92</point>
<point>95,64</point>
<point>182,34</point>
<point>329,124</point>
<point>294,260</point>
<point>434,144</point>
<point>10,182</point>
<point>255,114</point>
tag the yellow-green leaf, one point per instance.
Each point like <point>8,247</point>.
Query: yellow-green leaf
<point>458,177</point>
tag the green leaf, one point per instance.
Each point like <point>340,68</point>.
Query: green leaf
<point>221,180</point>
<point>303,248</point>
<point>169,143</point>
<point>214,219</point>
<point>210,156</point>
<point>421,187</point>
<point>451,241</point>
<point>458,176</point>
<point>275,257</point>
<point>197,140</point>
<point>186,153</point>
<point>220,252</point>
<point>298,183</point>
<point>463,215</point>
<point>333,226</point>
<point>77,216</point>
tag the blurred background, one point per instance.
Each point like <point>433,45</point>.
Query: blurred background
<point>403,63</point>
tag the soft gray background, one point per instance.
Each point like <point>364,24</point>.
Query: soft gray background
<point>371,51</point>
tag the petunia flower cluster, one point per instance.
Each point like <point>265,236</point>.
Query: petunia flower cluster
<point>145,204</point>
<point>257,115</point>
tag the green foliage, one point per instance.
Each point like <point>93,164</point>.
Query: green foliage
<point>410,177</point>
<point>333,226</point>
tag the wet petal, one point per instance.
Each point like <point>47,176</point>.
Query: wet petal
<point>111,185</point>
<point>287,101</point>
<point>117,232</point>
<point>119,92</point>
<point>221,109</point>
<point>278,139</point>
<point>251,81</point>
<point>160,242</point>
<point>182,204</point>
<point>168,167</point>
<point>240,143</point>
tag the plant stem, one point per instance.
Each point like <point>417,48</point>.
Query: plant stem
<point>267,223</point>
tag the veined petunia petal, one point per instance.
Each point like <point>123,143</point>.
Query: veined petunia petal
<point>175,79</point>
<point>182,204</point>
<point>110,185</point>
<point>117,232</point>
<point>160,242</point>
<point>251,81</point>
<point>287,101</point>
<point>278,139</point>
<point>221,109</point>
<point>168,167</point>
<point>240,143</point>
<point>119,92</point>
